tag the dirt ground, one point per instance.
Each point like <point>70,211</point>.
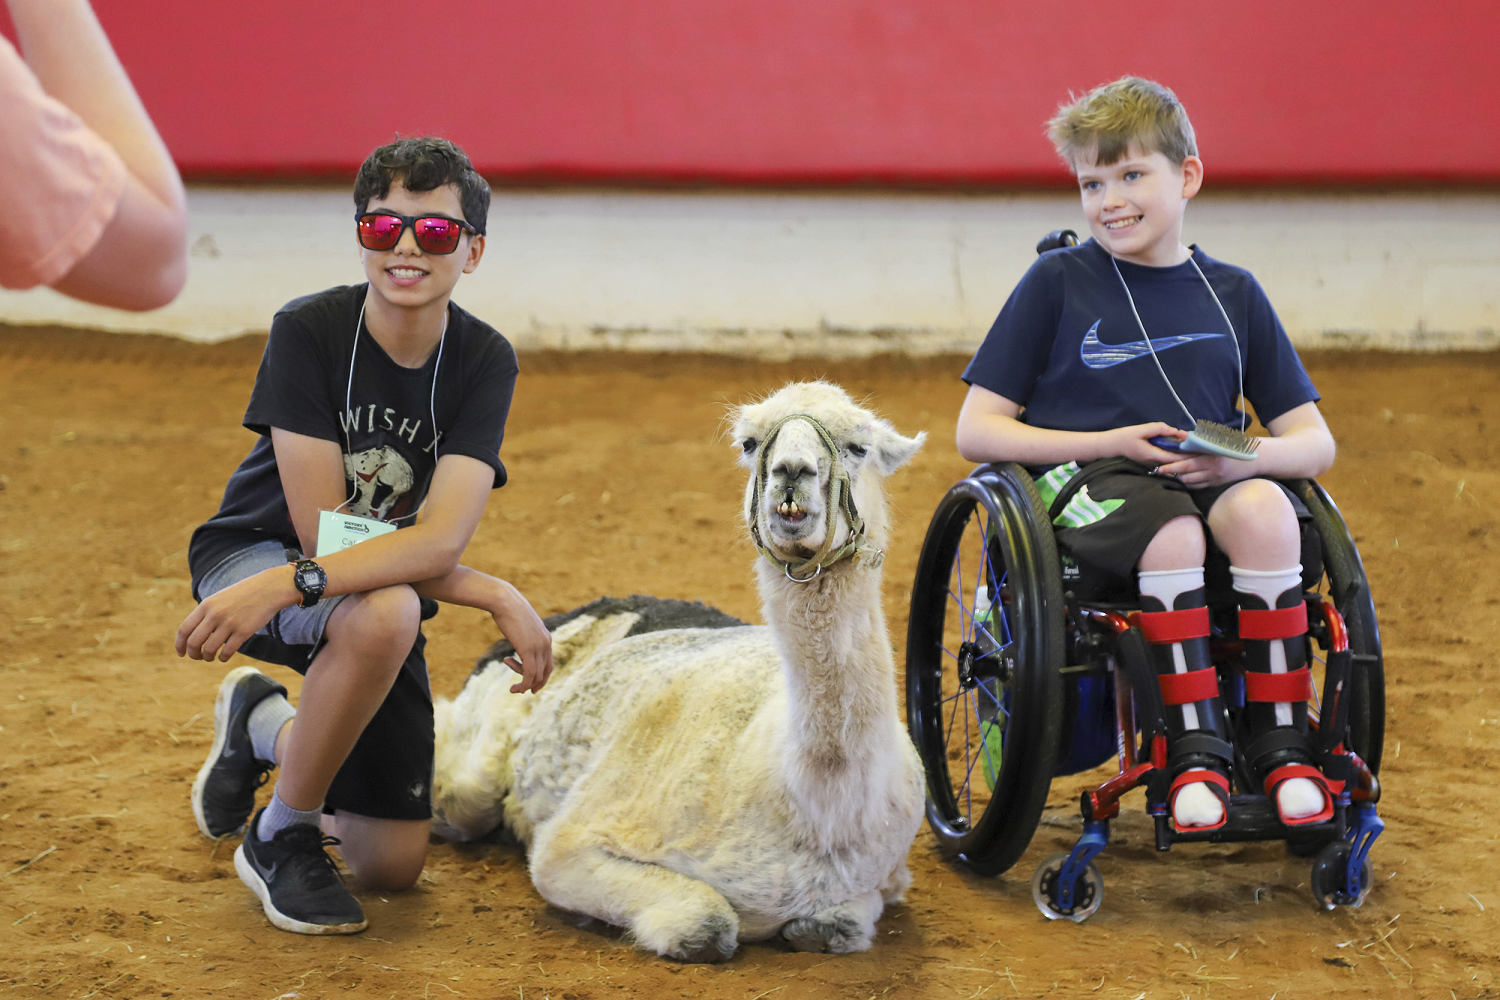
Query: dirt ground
<point>115,447</point>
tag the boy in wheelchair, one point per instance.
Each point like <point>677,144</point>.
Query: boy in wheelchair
<point>1103,358</point>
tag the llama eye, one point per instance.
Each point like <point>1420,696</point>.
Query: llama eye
<point>857,450</point>
<point>749,445</point>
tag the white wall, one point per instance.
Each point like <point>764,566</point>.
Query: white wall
<point>834,274</point>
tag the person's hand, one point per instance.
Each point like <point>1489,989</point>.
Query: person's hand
<point>1134,442</point>
<point>1199,471</point>
<point>222,622</point>
<point>520,623</point>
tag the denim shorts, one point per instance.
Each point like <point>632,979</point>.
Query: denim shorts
<point>388,774</point>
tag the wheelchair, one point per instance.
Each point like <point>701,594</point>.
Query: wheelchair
<point>1019,670</point>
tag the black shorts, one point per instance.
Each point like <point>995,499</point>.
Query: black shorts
<point>1106,513</point>
<point>388,774</point>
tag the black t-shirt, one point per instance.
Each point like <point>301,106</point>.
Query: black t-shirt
<point>382,417</point>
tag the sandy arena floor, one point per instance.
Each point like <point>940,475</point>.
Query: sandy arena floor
<point>116,447</point>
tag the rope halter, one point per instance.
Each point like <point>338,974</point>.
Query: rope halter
<point>840,501</point>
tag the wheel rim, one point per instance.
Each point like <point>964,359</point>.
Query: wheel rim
<point>978,695</point>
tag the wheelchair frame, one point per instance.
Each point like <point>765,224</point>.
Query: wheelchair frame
<point>1040,683</point>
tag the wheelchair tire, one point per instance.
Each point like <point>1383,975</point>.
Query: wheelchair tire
<point>1349,591</point>
<point>984,692</point>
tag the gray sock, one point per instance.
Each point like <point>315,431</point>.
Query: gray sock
<point>278,816</point>
<point>265,722</point>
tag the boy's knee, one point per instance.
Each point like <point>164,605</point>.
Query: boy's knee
<point>384,619</point>
<point>388,872</point>
<point>387,855</point>
<point>1258,499</point>
<point>1256,518</point>
<point>1180,542</point>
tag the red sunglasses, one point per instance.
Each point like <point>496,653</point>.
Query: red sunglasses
<point>435,234</point>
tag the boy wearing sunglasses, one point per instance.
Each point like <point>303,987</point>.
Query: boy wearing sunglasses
<point>377,406</point>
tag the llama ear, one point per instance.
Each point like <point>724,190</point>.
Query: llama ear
<point>892,449</point>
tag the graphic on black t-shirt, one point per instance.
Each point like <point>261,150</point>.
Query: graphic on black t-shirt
<point>381,481</point>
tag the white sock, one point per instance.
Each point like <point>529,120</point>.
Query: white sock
<point>277,815</point>
<point>265,722</point>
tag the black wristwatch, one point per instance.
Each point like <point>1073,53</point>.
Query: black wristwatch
<point>309,579</point>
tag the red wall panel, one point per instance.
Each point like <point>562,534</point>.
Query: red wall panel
<point>811,91</point>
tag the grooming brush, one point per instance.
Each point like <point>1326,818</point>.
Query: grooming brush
<point>1209,438</point>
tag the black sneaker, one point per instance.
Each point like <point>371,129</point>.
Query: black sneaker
<point>297,883</point>
<point>224,791</point>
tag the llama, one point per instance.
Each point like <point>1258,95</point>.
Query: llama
<point>705,786</point>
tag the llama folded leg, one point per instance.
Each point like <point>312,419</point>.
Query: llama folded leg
<point>1174,622</point>
<point>841,929</point>
<point>664,911</point>
<point>1273,627</point>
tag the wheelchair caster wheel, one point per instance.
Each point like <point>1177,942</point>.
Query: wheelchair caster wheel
<point>1088,891</point>
<point>1330,877</point>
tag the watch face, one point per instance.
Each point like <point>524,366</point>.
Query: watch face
<point>310,581</point>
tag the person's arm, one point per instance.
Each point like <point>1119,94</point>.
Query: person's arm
<point>513,615</point>
<point>1300,447</point>
<point>140,260</point>
<point>312,478</point>
<point>425,555</point>
<point>989,431</point>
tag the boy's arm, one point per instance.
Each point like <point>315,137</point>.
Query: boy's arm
<point>460,488</point>
<point>989,431</point>
<point>1300,447</point>
<point>311,475</point>
<point>513,615</point>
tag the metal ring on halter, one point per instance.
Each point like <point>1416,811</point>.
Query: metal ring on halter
<point>787,569</point>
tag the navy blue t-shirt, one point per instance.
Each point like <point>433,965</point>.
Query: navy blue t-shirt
<point>385,430</point>
<point>1067,348</point>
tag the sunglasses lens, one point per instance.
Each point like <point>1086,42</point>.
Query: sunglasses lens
<point>437,235</point>
<point>379,232</point>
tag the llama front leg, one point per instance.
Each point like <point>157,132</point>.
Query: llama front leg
<point>846,927</point>
<point>666,912</point>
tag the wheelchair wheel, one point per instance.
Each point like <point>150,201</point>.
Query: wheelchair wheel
<point>984,648</point>
<point>1345,586</point>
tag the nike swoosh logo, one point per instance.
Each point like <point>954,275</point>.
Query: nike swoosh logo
<point>1096,354</point>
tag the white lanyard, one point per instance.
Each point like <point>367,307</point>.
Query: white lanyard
<point>1238,362</point>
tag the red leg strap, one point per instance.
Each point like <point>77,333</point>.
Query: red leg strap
<point>1218,783</point>
<point>1174,626</point>
<point>1329,789</point>
<point>1293,685</point>
<point>1184,689</point>
<point>1278,623</point>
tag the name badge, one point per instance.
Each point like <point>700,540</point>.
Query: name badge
<point>339,531</point>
